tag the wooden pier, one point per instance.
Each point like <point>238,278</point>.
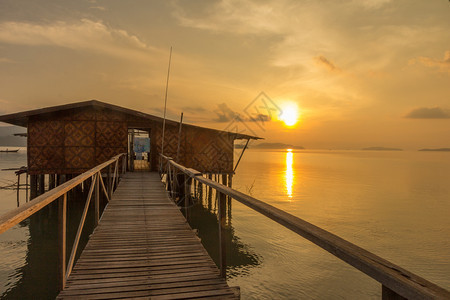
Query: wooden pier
<point>143,247</point>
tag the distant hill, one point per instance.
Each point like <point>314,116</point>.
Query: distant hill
<point>7,137</point>
<point>276,146</point>
<point>437,149</point>
<point>382,149</point>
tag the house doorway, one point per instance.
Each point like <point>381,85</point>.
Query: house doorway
<point>139,150</point>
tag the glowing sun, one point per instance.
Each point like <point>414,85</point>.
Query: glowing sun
<point>289,114</point>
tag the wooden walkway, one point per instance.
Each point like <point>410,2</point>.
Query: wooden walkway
<point>144,248</point>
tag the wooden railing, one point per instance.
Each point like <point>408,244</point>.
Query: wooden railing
<point>397,283</point>
<point>19,214</point>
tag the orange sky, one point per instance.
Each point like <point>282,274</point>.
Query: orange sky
<point>362,73</point>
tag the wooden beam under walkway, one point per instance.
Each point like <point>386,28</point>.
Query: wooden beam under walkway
<point>144,248</point>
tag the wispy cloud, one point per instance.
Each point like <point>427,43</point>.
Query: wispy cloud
<point>236,16</point>
<point>443,65</point>
<point>82,35</point>
<point>98,8</point>
<point>371,4</point>
<point>225,114</point>
<point>194,109</point>
<point>326,63</point>
<point>428,113</point>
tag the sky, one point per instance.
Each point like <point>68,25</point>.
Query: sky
<point>356,73</point>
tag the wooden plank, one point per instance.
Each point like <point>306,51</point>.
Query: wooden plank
<point>143,247</point>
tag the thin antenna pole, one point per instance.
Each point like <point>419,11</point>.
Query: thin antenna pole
<point>165,103</point>
<point>179,138</point>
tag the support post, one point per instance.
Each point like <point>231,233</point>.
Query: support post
<point>97,199</point>
<point>174,184</point>
<point>388,294</point>
<point>26,186</point>
<point>33,186</point>
<point>62,213</point>
<point>169,180</point>
<point>222,239</point>
<point>229,199</point>
<point>210,194</point>
<point>132,151</point>
<point>187,194</point>
<point>51,181</point>
<point>109,182</point>
<point>41,184</point>
<point>18,189</point>
<point>200,192</point>
<point>180,186</point>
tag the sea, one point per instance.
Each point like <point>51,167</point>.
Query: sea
<point>395,204</point>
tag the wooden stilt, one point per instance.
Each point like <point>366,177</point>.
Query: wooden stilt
<point>41,184</point>
<point>222,239</point>
<point>51,181</point>
<point>62,212</point>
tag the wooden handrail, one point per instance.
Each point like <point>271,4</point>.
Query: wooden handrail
<point>19,214</point>
<point>392,277</point>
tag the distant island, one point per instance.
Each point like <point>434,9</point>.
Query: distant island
<point>270,146</point>
<point>437,149</point>
<point>382,149</point>
<point>8,139</point>
<point>276,146</point>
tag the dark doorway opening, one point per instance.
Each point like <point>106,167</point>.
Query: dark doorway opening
<point>139,151</point>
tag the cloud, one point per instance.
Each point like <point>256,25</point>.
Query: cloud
<point>324,62</point>
<point>260,118</point>
<point>371,4</point>
<point>226,114</point>
<point>442,65</point>
<point>235,16</point>
<point>98,7</point>
<point>428,113</point>
<point>194,109</point>
<point>81,35</point>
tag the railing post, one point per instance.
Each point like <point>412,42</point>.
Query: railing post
<point>180,186</point>
<point>109,182</point>
<point>33,186</point>
<point>117,172</point>
<point>26,186</point>
<point>97,199</point>
<point>388,294</point>
<point>41,184</point>
<point>62,212</point>
<point>210,194</point>
<point>187,194</point>
<point>174,184</point>
<point>169,180</point>
<point>222,239</point>
<point>18,189</point>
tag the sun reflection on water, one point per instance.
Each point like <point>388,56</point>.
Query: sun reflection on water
<point>289,173</point>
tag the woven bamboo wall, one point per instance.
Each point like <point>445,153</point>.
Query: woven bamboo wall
<point>202,149</point>
<point>74,142</point>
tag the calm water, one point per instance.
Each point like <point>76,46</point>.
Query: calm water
<point>29,251</point>
<point>395,204</point>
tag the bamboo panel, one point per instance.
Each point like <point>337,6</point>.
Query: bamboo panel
<point>76,141</point>
<point>205,150</point>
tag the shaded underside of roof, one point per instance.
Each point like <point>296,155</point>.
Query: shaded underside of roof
<point>22,118</point>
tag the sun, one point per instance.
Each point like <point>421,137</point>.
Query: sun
<point>289,114</point>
